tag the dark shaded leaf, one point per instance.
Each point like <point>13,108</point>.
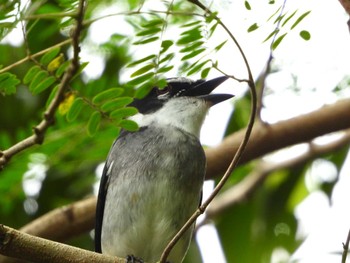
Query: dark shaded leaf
<point>153,23</point>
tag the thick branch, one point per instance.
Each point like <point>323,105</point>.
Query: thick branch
<point>20,245</point>
<point>269,138</point>
<point>244,189</point>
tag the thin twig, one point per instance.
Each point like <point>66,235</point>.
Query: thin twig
<point>42,52</point>
<point>345,249</point>
<point>239,152</point>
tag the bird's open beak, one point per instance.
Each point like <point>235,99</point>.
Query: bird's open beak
<point>204,89</point>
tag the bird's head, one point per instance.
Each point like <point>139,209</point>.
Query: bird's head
<point>183,103</point>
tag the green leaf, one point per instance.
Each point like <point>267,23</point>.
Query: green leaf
<point>49,56</point>
<point>52,95</point>
<point>252,27</point>
<point>141,61</point>
<point>300,19</point>
<point>30,74</point>
<point>192,23</point>
<point>142,70</point>
<point>75,109</point>
<point>205,73</point>
<point>145,41</point>
<point>93,123</point>
<point>165,69</point>
<point>123,112</point>
<point>43,85</point>
<point>278,9</point>
<point>62,68</point>
<point>278,41</point>
<point>271,35</point>
<point>167,58</point>
<point>192,46</point>
<point>116,103</point>
<point>305,35</point>
<point>153,23</point>
<point>189,38</point>
<point>193,54</point>
<point>107,95</point>
<point>8,83</point>
<point>197,68</point>
<point>143,90</point>
<point>141,79</point>
<point>218,47</point>
<point>247,5</point>
<point>38,78</point>
<point>165,45</point>
<point>150,31</point>
<point>288,18</point>
<point>129,125</point>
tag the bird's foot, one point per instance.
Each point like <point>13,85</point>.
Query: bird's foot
<point>133,259</point>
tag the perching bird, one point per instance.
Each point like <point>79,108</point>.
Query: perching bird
<point>152,179</point>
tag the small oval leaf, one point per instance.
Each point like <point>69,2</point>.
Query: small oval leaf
<point>123,112</point>
<point>107,95</point>
<point>43,85</point>
<point>75,109</point>
<point>247,5</point>
<point>49,56</point>
<point>30,74</point>
<point>253,27</point>
<point>128,125</point>
<point>116,103</point>
<point>93,123</point>
<point>39,77</point>
<point>305,35</point>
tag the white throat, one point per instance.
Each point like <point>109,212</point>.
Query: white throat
<point>186,113</point>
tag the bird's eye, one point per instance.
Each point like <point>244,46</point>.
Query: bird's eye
<point>164,91</point>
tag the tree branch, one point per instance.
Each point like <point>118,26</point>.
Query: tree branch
<point>49,115</point>
<point>244,189</point>
<point>268,138</point>
<point>20,245</point>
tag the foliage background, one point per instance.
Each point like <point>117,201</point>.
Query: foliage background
<point>63,169</point>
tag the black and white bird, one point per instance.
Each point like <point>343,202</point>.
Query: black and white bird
<point>152,180</point>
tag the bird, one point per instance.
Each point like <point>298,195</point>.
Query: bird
<point>153,177</point>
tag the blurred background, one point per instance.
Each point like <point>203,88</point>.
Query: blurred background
<point>299,55</point>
